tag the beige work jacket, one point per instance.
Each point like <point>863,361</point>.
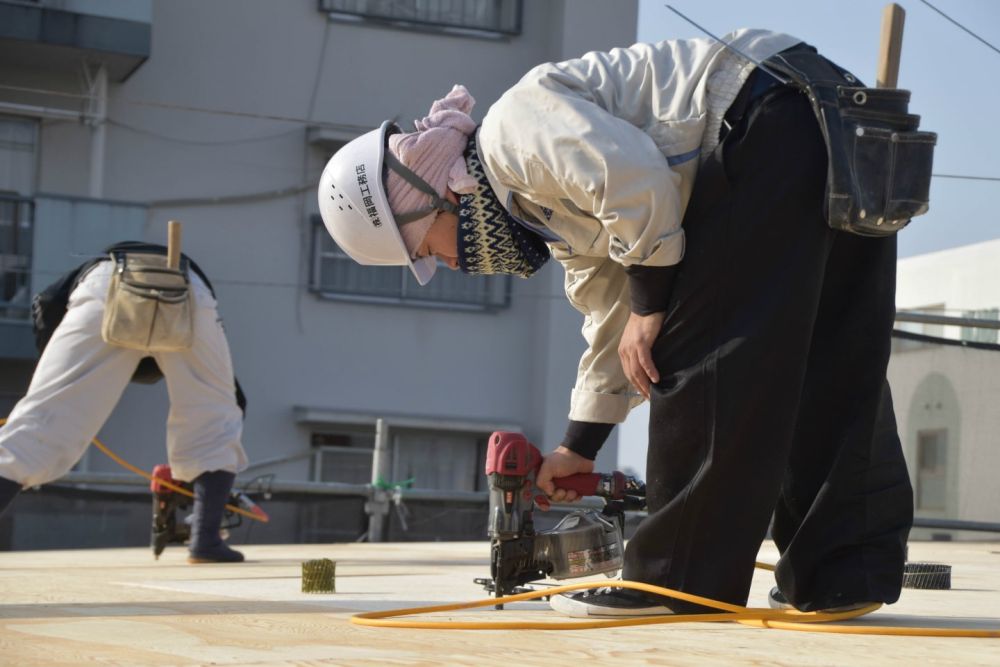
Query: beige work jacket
<point>599,155</point>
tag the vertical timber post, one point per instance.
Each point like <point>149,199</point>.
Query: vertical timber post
<point>891,46</point>
<point>377,506</point>
<point>173,244</point>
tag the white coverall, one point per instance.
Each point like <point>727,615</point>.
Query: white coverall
<point>79,379</point>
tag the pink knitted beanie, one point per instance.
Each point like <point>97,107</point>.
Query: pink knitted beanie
<point>435,153</point>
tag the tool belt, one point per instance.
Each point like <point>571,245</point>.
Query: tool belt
<point>149,306</point>
<point>879,171</point>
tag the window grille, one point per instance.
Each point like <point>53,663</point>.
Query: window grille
<point>486,18</point>
<point>344,456</point>
<point>440,459</point>
<point>431,459</point>
<point>16,230</point>
<point>337,276</point>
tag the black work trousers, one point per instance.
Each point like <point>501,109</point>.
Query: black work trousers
<point>773,398</point>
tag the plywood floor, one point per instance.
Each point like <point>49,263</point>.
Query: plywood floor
<point>120,607</point>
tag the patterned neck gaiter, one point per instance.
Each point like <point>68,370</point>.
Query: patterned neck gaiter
<point>490,241</point>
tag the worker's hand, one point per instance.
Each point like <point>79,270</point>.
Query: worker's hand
<point>561,463</point>
<point>635,350</point>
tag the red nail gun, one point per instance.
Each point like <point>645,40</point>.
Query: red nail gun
<point>585,542</point>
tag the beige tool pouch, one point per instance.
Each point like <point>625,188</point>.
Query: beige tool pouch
<point>149,307</point>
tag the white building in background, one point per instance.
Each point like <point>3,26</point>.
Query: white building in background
<point>946,396</point>
<point>959,282</point>
<point>117,116</point>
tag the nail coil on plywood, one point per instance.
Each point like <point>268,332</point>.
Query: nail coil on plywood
<point>318,576</point>
<point>927,576</point>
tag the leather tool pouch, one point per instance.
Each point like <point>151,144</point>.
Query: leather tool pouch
<point>149,307</point>
<point>879,170</point>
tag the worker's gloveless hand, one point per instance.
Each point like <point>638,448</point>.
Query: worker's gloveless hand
<point>561,463</point>
<point>635,350</point>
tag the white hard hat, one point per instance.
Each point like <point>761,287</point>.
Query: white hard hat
<point>355,209</point>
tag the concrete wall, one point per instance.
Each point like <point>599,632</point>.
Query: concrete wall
<point>964,278</point>
<point>956,391</point>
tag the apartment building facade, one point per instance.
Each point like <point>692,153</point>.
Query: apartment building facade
<point>117,116</point>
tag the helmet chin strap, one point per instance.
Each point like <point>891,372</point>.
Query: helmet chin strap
<point>437,202</point>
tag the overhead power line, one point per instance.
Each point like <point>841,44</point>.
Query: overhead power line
<point>302,121</point>
<point>227,200</point>
<point>197,142</point>
<point>967,178</point>
<point>959,25</point>
<point>357,129</point>
<point>182,107</point>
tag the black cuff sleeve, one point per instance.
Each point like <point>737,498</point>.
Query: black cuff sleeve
<point>650,287</point>
<point>586,438</point>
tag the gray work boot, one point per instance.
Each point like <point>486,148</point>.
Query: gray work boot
<point>8,490</point>
<point>211,491</point>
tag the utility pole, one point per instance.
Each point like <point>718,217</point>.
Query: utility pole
<point>97,117</point>
<point>377,506</point>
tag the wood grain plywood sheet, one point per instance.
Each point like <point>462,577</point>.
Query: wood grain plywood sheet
<point>120,607</point>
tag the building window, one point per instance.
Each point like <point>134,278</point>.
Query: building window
<point>482,18</point>
<point>16,230</point>
<point>18,155</point>
<point>344,455</point>
<point>980,334</point>
<point>452,461</point>
<point>337,276</point>
<point>18,158</point>
<point>932,469</point>
<point>422,458</point>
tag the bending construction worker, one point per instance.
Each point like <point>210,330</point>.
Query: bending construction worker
<point>127,316</point>
<point>682,188</point>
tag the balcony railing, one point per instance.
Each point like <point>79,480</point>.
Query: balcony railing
<point>485,18</point>
<point>60,36</point>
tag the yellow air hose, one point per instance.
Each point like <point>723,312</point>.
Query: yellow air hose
<point>170,485</point>
<point>758,617</point>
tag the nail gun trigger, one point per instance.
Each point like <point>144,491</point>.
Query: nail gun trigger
<point>543,502</point>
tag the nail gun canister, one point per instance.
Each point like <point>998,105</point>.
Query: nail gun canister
<point>582,544</point>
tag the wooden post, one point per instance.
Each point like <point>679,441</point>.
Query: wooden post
<point>173,244</point>
<point>891,47</point>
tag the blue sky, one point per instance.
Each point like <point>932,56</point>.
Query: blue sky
<point>955,81</point>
